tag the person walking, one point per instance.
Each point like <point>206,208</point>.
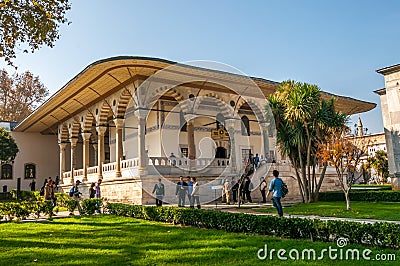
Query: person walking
<point>227,190</point>
<point>159,190</point>
<point>92,191</point>
<point>195,194</point>
<point>180,192</point>
<point>32,185</point>
<point>48,191</point>
<point>256,160</point>
<point>263,188</point>
<point>247,189</point>
<point>75,194</point>
<point>98,195</point>
<point>276,187</point>
<point>189,188</point>
<point>235,188</point>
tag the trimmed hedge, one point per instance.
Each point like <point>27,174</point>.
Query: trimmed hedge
<point>377,234</point>
<point>32,203</point>
<point>355,195</point>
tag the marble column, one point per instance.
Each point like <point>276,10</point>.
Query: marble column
<point>265,138</point>
<point>230,125</point>
<point>190,140</point>
<point>119,122</point>
<point>74,141</point>
<point>86,139</point>
<point>141,116</point>
<point>62,161</point>
<point>100,150</point>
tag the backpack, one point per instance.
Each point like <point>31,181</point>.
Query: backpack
<point>71,191</point>
<point>284,189</point>
<point>263,185</point>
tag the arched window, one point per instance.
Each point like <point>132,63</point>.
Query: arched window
<point>6,171</point>
<point>30,171</point>
<point>245,126</point>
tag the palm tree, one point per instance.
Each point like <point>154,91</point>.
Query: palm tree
<point>304,120</point>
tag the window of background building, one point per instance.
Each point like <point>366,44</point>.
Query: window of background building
<point>184,152</point>
<point>6,171</point>
<point>30,170</point>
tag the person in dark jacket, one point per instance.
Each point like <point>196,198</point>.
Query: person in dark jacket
<point>247,189</point>
<point>181,188</point>
<point>159,190</point>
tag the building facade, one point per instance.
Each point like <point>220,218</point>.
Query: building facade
<point>132,120</point>
<point>390,102</point>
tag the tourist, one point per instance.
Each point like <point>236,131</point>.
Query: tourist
<point>48,191</point>
<point>98,195</point>
<point>181,187</point>
<point>159,189</point>
<point>75,194</point>
<point>53,197</point>
<point>195,194</point>
<point>235,188</point>
<point>227,189</point>
<point>256,160</point>
<point>263,187</point>
<point>276,187</point>
<point>247,189</point>
<point>32,185</point>
<point>189,188</point>
<point>92,191</point>
<point>57,181</point>
<point>41,192</point>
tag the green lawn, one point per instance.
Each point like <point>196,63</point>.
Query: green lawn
<point>360,210</point>
<point>110,240</point>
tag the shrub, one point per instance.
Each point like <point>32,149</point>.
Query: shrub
<point>377,234</point>
<point>25,195</point>
<point>89,206</point>
<point>371,196</point>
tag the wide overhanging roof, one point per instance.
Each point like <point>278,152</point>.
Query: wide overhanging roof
<point>104,77</point>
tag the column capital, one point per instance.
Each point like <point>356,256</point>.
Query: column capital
<point>141,113</point>
<point>62,145</point>
<point>230,123</point>
<point>73,141</point>
<point>265,125</point>
<point>86,136</point>
<point>189,117</point>
<point>119,122</point>
<point>101,129</point>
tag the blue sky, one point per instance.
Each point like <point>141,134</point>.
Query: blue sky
<point>337,45</point>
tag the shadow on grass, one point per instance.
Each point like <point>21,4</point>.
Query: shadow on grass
<point>110,240</point>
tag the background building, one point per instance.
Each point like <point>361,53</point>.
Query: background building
<point>390,101</point>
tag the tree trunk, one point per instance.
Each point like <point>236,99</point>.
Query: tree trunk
<point>321,179</point>
<point>347,195</point>
<point>301,187</point>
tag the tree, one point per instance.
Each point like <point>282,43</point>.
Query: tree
<point>345,155</point>
<point>380,164</point>
<point>9,148</point>
<point>19,95</point>
<point>32,23</point>
<point>304,121</point>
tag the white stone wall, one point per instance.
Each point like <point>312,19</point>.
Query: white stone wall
<point>41,150</point>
